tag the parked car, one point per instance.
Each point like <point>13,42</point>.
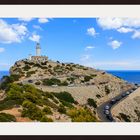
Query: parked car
<point>109,117</point>
<point>127,93</point>
<point>30,81</point>
<point>107,107</point>
<point>106,112</point>
<point>123,95</point>
<point>113,101</point>
<point>118,99</point>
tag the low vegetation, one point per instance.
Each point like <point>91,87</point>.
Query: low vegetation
<point>87,78</point>
<point>65,96</point>
<point>125,117</point>
<point>81,115</point>
<point>92,102</point>
<point>107,90</point>
<point>7,117</point>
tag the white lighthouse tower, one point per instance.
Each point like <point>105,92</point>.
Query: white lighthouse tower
<point>38,49</point>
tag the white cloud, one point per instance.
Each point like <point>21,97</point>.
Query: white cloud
<point>43,20</point>
<point>117,65</point>
<point>115,44</point>
<point>89,48</point>
<point>91,31</point>
<point>116,23</point>
<point>25,19</point>
<point>85,57</point>
<point>37,27</point>
<point>2,50</point>
<point>125,30</point>
<point>35,37</point>
<point>136,35</point>
<point>109,23</point>
<point>13,33</point>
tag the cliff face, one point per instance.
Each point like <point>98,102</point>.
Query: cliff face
<point>82,82</point>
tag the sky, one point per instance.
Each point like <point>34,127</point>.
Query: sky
<point>101,43</point>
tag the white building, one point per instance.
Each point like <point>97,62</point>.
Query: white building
<point>38,49</point>
<point>37,58</point>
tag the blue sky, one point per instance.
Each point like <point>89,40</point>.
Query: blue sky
<point>102,43</point>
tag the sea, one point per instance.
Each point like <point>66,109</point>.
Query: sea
<point>129,76</point>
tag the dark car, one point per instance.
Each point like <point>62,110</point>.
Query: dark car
<point>113,101</point>
<point>30,81</point>
<point>123,95</point>
<point>118,99</point>
<point>109,118</point>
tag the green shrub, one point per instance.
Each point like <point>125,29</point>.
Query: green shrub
<point>137,113</point>
<point>65,83</point>
<point>31,111</point>
<point>98,96</point>
<point>8,80</point>
<point>125,117</point>
<point>26,67</point>
<point>29,73</point>
<point>62,109</point>
<point>50,104</point>
<point>107,90</point>
<point>65,96</point>
<point>14,92</point>
<point>47,110</point>
<point>52,81</point>
<point>92,103</point>
<point>7,118</point>
<point>93,75</point>
<point>8,104</point>
<point>46,119</point>
<point>71,79</point>
<point>67,104</point>
<point>55,100</point>
<point>37,83</point>
<point>48,95</point>
<point>81,115</point>
<point>87,78</point>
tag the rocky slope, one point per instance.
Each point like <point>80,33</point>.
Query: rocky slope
<point>87,86</point>
<point>129,109</point>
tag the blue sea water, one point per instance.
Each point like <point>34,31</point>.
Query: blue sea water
<point>130,76</point>
<point>3,73</point>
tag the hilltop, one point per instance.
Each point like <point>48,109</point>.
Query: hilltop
<point>63,90</point>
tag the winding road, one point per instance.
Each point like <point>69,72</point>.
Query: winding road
<point>100,109</point>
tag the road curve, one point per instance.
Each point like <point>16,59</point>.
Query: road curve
<point>100,109</point>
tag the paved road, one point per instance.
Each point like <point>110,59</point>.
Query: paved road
<point>100,109</point>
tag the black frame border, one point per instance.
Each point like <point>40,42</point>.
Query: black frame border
<point>76,137</point>
<point>70,2</point>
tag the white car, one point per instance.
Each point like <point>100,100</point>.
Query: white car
<point>127,92</point>
<point>106,112</point>
<point>107,107</point>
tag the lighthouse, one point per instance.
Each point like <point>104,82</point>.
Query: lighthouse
<point>38,49</point>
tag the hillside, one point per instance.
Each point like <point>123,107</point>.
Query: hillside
<point>57,91</point>
<point>129,109</point>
